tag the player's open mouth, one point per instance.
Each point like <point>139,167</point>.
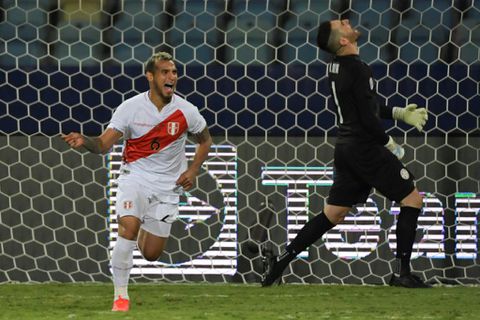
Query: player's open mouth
<point>169,87</point>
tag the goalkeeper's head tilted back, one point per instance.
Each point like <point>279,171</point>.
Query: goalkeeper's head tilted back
<point>365,156</point>
<point>353,89</point>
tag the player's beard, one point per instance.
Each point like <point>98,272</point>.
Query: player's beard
<point>357,34</point>
<point>159,91</point>
<point>354,35</point>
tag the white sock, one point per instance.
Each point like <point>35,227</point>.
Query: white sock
<point>122,262</point>
<point>120,292</point>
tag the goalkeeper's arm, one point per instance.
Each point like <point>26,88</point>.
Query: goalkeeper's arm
<point>395,148</point>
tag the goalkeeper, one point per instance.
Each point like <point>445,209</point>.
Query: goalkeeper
<point>365,156</point>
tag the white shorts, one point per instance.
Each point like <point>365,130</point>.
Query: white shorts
<point>156,216</point>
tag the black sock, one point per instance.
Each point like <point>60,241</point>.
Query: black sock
<point>406,230</point>
<point>311,232</point>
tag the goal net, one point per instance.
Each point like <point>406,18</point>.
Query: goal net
<point>256,75</point>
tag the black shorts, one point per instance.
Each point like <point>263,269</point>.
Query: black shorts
<point>359,168</point>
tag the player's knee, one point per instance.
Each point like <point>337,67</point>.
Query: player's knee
<point>414,200</point>
<point>338,218</point>
<point>418,203</point>
<point>151,256</point>
<point>128,234</point>
<point>128,227</point>
<point>336,214</point>
<point>149,252</point>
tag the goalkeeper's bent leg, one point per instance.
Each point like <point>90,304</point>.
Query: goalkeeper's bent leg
<point>122,262</point>
<point>311,232</point>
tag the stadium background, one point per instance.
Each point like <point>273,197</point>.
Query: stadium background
<point>253,70</point>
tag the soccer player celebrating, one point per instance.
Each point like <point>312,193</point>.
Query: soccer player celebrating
<point>154,126</point>
<point>364,157</point>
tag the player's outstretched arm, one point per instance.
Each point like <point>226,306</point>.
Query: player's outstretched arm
<point>100,144</point>
<point>411,115</point>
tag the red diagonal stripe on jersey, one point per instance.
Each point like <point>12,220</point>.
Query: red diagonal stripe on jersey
<point>160,136</point>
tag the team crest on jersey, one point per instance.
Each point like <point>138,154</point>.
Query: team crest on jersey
<point>127,205</point>
<point>404,174</point>
<point>172,128</point>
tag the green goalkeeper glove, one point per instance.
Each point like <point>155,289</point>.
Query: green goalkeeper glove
<point>395,148</point>
<point>411,115</point>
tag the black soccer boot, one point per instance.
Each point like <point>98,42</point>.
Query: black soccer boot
<point>408,281</point>
<point>272,269</point>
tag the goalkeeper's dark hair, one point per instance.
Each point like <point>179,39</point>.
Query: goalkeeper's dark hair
<point>323,36</point>
<point>160,56</point>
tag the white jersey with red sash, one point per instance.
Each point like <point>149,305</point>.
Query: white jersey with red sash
<point>154,142</point>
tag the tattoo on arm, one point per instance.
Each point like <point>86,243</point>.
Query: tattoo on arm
<point>92,144</point>
<point>205,141</point>
<point>202,136</point>
<point>102,143</point>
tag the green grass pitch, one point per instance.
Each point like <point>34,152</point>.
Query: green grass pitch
<point>234,301</point>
